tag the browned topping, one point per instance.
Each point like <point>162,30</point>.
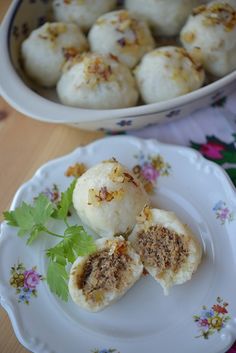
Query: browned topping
<point>132,31</point>
<point>114,57</point>
<point>97,70</point>
<point>97,67</point>
<point>79,2</point>
<point>104,271</point>
<point>162,52</point>
<point>125,234</point>
<point>197,56</point>
<point>138,37</point>
<point>162,248</point>
<point>145,272</point>
<point>148,187</point>
<point>147,184</point>
<point>218,14</point>
<point>167,54</point>
<point>73,60</point>
<point>96,197</point>
<point>122,42</point>
<point>76,170</point>
<point>124,21</point>
<point>104,195</point>
<point>194,59</point>
<point>145,215</point>
<point>118,175</point>
<point>180,73</point>
<point>198,10</point>
<point>188,37</point>
<point>72,52</point>
<point>121,248</point>
<point>52,32</point>
<point>123,16</point>
<point>100,21</point>
<point>130,179</point>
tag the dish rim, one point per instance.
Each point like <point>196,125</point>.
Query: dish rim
<point>25,100</point>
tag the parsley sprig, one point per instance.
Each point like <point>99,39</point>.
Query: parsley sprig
<point>33,220</point>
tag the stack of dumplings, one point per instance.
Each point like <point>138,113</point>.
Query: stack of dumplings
<point>101,56</point>
<point>111,202</point>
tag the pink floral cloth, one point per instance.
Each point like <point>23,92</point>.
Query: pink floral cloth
<point>211,131</point>
<point>232,349</point>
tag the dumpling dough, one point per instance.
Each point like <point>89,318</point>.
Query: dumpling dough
<point>212,28</point>
<point>108,198</point>
<point>48,47</point>
<point>123,35</point>
<point>166,17</point>
<point>82,12</point>
<point>96,81</point>
<point>98,280</point>
<point>168,72</point>
<point>168,249</point>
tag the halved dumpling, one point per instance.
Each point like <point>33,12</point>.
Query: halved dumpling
<point>168,249</point>
<point>99,279</point>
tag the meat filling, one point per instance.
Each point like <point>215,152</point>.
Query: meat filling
<point>162,248</point>
<point>103,272</point>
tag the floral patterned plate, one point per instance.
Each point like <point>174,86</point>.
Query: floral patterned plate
<point>198,316</point>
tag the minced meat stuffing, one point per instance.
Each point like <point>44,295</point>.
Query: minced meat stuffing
<point>162,248</point>
<point>103,272</point>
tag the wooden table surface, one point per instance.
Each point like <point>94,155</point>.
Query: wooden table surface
<point>25,144</point>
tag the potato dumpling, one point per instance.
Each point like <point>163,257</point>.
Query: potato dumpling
<point>212,28</point>
<point>98,280</point>
<point>96,81</point>
<point>48,47</point>
<point>122,34</point>
<point>82,12</point>
<point>168,72</point>
<point>167,248</point>
<point>108,198</point>
<point>166,17</point>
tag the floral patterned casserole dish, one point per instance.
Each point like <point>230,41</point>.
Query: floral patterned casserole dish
<point>24,16</point>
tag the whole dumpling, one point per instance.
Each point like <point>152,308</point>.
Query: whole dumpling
<point>123,35</point>
<point>48,47</point>
<point>108,198</point>
<point>98,280</point>
<point>167,248</point>
<point>212,28</point>
<point>82,12</point>
<point>168,72</point>
<point>96,81</point>
<point>166,17</point>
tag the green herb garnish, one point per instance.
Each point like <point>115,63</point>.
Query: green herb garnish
<point>76,242</point>
<point>32,221</point>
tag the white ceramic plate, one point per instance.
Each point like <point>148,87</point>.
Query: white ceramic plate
<point>144,320</point>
